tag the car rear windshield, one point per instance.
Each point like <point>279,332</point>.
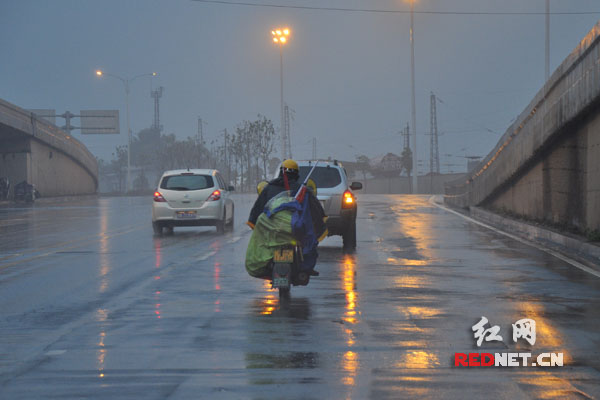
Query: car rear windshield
<point>187,182</point>
<point>324,177</point>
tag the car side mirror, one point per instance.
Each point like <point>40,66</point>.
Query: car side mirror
<point>356,186</point>
<point>231,188</point>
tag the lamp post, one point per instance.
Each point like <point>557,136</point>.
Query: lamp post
<point>413,104</point>
<point>280,37</point>
<point>547,58</point>
<point>126,83</point>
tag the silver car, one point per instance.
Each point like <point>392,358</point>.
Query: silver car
<point>192,197</point>
<point>336,196</point>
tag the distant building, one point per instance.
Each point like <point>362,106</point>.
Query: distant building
<point>388,165</point>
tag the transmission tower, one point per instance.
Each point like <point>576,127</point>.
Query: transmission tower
<point>200,134</point>
<point>434,156</point>
<point>157,94</point>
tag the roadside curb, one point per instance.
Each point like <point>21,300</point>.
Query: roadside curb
<point>49,200</point>
<point>62,199</point>
<point>570,246</point>
<point>570,249</point>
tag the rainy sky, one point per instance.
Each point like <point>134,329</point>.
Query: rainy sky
<point>346,74</point>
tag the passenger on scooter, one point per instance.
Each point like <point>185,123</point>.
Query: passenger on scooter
<point>288,180</point>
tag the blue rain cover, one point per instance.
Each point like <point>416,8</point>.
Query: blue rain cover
<point>302,229</point>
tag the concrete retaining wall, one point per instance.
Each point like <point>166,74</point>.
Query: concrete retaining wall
<point>546,164</point>
<point>34,150</point>
<point>56,174</point>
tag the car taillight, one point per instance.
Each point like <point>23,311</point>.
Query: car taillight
<point>216,195</point>
<point>159,198</point>
<point>348,199</point>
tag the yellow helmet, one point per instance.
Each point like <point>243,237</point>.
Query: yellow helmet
<point>289,165</point>
<point>261,185</point>
<point>312,186</point>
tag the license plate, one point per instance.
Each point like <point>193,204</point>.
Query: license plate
<point>186,214</point>
<point>284,256</point>
<point>281,282</point>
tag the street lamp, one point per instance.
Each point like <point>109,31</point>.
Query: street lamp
<point>280,37</point>
<point>126,82</point>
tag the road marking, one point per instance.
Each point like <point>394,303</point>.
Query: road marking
<point>206,256</point>
<point>56,352</point>
<point>85,240</point>
<point>235,239</point>
<point>78,244</point>
<point>524,241</point>
<point>10,255</point>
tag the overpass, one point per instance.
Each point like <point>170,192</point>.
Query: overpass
<point>546,167</point>
<point>34,150</point>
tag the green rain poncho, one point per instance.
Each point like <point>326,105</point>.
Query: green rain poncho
<point>268,235</point>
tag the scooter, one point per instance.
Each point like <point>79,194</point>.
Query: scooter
<point>25,192</point>
<point>286,270</point>
<point>4,188</point>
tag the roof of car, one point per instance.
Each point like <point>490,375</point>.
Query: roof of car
<point>194,171</point>
<point>332,163</point>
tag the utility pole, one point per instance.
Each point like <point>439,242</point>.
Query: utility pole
<point>434,156</point>
<point>283,143</point>
<point>287,137</point>
<point>413,102</point>
<point>547,40</point>
<point>67,116</point>
<point>226,138</point>
<point>406,150</point>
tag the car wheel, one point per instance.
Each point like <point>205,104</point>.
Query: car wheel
<point>157,229</point>
<point>349,237</point>
<point>221,224</point>
<point>231,221</point>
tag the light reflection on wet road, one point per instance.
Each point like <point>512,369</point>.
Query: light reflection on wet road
<point>93,306</point>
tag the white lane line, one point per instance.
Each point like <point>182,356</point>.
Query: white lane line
<point>235,239</point>
<point>56,352</point>
<point>206,256</point>
<point>524,241</point>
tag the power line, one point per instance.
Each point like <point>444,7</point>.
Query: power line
<point>372,10</point>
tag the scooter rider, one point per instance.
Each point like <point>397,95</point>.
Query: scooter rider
<point>287,180</point>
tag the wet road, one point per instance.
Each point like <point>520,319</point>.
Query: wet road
<point>92,306</point>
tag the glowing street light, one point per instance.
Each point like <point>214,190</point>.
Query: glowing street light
<point>280,37</point>
<point>126,82</point>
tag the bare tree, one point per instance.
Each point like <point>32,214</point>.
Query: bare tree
<point>265,141</point>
